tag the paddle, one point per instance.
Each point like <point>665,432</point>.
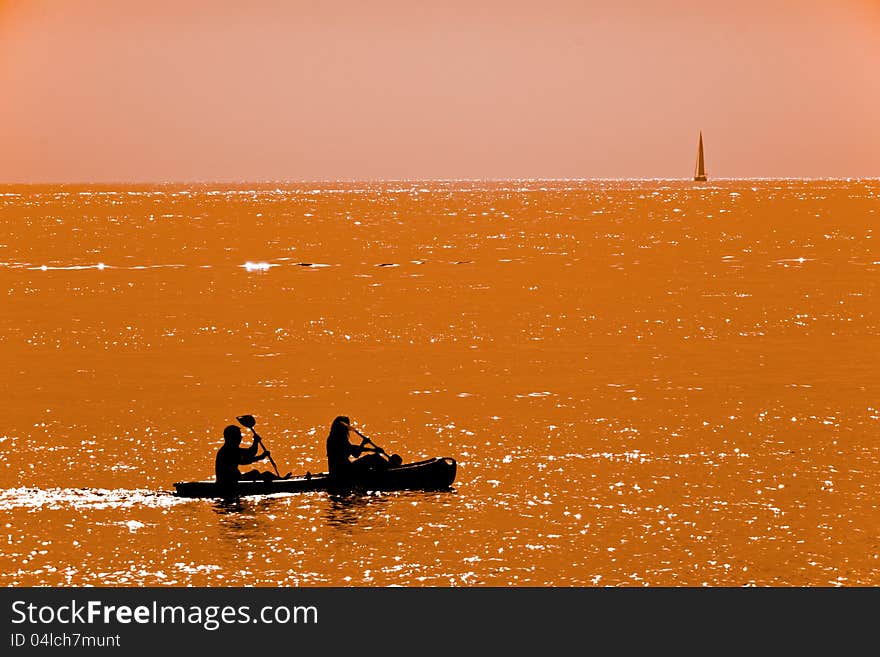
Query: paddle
<point>248,421</point>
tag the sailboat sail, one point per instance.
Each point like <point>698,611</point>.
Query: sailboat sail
<point>700,171</point>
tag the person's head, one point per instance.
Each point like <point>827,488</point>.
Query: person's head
<point>232,435</point>
<point>340,426</point>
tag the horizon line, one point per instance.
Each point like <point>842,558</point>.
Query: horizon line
<point>292,181</point>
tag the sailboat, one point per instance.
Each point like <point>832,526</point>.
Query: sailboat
<point>700,169</point>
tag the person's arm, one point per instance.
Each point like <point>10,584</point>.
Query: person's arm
<point>354,450</point>
<point>249,455</point>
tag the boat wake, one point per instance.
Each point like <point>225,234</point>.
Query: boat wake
<point>82,498</point>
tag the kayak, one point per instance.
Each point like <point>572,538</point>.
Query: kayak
<point>437,473</point>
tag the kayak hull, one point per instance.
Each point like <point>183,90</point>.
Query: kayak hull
<point>432,474</point>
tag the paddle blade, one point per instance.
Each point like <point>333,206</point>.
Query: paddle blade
<point>247,421</point>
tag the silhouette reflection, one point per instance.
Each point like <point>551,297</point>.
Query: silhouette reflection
<point>244,518</point>
<point>347,510</point>
<point>365,510</point>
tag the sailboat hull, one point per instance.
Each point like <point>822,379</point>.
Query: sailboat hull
<point>700,178</point>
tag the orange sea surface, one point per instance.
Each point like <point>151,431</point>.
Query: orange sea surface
<point>644,383</point>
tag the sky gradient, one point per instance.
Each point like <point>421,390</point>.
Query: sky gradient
<point>103,91</point>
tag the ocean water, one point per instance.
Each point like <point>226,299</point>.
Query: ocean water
<point>644,383</point>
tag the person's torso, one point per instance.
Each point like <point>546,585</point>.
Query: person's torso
<point>226,464</point>
<point>338,449</point>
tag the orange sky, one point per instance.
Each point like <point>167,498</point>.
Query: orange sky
<point>160,90</point>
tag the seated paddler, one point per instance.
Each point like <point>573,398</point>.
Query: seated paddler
<point>231,455</point>
<point>344,459</point>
